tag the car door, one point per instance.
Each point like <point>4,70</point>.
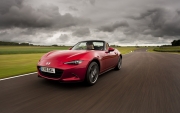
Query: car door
<point>101,54</point>
<point>112,57</point>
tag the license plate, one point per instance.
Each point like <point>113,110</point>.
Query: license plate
<point>48,70</point>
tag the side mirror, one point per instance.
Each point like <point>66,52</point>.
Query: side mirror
<point>70,48</point>
<point>110,49</point>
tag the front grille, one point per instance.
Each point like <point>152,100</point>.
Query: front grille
<point>57,74</point>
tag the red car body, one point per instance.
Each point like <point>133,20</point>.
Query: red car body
<point>106,60</point>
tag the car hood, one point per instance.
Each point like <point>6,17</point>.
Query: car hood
<point>65,55</point>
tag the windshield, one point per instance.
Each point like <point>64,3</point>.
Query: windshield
<point>89,45</point>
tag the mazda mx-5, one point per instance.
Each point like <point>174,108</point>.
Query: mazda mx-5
<point>83,62</point>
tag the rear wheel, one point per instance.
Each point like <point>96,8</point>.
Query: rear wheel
<point>92,73</point>
<point>118,66</point>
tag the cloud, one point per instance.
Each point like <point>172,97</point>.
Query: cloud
<point>81,32</point>
<point>114,26</point>
<point>16,14</point>
<point>92,2</point>
<point>3,33</point>
<point>160,22</point>
<point>64,37</point>
<point>73,8</point>
<point>5,5</point>
<point>43,21</point>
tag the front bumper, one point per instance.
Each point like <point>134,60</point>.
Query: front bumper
<point>66,72</point>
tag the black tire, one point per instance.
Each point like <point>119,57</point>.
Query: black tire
<point>119,64</point>
<point>92,74</point>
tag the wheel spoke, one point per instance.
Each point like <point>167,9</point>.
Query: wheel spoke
<point>93,74</point>
<point>119,63</point>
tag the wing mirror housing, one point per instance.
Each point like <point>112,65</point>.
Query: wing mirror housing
<point>70,48</point>
<point>110,49</point>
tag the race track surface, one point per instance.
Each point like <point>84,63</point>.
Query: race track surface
<point>147,83</point>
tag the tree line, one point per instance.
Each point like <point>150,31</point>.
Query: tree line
<point>175,42</point>
<point>14,44</point>
<point>2,43</point>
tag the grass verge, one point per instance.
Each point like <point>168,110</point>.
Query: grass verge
<point>168,49</point>
<point>125,50</point>
<point>28,49</point>
<point>150,49</point>
<point>16,64</point>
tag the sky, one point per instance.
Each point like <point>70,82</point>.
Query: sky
<point>66,22</point>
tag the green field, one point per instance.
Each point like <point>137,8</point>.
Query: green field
<point>20,60</point>
<point>125,50</point>
<point>151,49</point>
<point>16,64</point>
<point>168,49</point>
<point>28,49</point>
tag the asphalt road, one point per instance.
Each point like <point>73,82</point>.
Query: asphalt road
<point>147,83</point>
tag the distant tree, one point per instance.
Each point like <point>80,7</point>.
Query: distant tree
<point>175,42</point>
<point>14,44</point>
<point>114,46</point>
<point>165,45</point>
<point>137,46</point>
<point>55,45</point>
<point>30,44</point>
<point>8,43</point>
<point>24,44</point>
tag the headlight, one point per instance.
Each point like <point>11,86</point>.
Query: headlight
<point>76,62</point>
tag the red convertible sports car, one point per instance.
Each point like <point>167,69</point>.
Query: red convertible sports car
<point>85,61</point>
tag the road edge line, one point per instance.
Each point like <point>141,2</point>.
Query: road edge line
<point>17,76</point>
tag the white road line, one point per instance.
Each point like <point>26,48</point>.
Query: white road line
<point>17,76</point>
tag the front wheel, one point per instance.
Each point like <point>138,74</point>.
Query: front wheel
<point>92,73</point>
<point>118,66</point>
